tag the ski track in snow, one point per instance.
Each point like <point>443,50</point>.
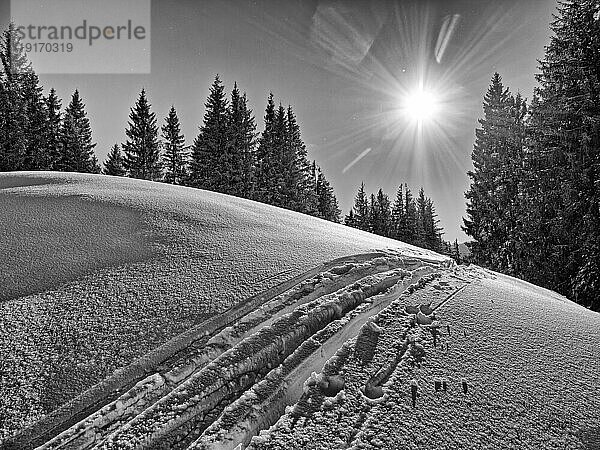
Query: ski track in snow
<point>530,361</point>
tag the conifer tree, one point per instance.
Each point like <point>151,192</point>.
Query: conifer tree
<point>36,127</point>
<point>13,118</point>
<point>174,157</point>
<point>398,218</point>
<point>53,106</point>
<point>422,218</point>
<point>265,157</point>
<point>361,216</point>
<point>208,165</point>
<point>433,233</point>
<point>241,139</point>
<point>410,209</point>
<point>114,163</point>
<point>282,162</point>
<point>487,200</point>
<point>302,177</point>
<point>327,205</point>
<point>381,217</point>
<point>456,252</point>
<point>350,220</point>
<point>76,146</point>
<point>373,212</point>
<point>565,150</point>
<point>141,149</point>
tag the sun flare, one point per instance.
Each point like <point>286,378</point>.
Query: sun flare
<point>421,106</point>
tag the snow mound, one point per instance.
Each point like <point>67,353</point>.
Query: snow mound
<point>96,271</point>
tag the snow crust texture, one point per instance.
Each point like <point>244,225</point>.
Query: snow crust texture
<point>83,299</point>
<point>350,342</point>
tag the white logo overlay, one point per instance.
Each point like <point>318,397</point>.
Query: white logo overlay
<point>84,36</point>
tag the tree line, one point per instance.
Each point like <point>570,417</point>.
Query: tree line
<point>34,134</point>
<point>533,203</point>
<point>227,156</point>
<point>407,219</point>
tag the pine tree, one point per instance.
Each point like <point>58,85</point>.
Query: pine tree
<point>456,252</point>
<point>302,177</point>
<point>563,199</point>
<point>13,118</point>
<point>361,215</point>
<point>398,219</point>
<point>209,159</point>
<point>422,219</point>
<point>490,194</point>
<point>53,106</point>
<point>282,163</point>
<point>266,156</point>
<point>36,128</point>
<point>141,149</point>
<point>410,209</point>
<point>174,157</point>
<point>433,232</point>
<point>114,163</point>
<point>327,204</point>
<point>241,140</point>
<point>350,220</point>
<point>76,147</point>
<point>381,216</point>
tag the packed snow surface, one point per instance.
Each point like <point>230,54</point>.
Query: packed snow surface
<point>512,366</point>
<point>97,270</point>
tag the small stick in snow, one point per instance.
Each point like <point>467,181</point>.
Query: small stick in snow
<point>413,391</point>
<point>465,386</point>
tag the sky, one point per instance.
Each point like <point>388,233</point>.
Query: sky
<point>346,67</point>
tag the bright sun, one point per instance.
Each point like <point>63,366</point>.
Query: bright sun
<point>421,106</point>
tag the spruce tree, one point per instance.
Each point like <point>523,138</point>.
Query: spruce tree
<point>282,163</point>
<point>301,179</point>
<point>241,140</point>
<point>36,127</point>
<point>410,209</point>
<point>13,118</point>
<point>53,106</point>
<point>565,153</point>
<point>422,219</point>
<point>114,163</point>
<point>381,217</point>
<point>350,220</point>
<point>327,204</point>
<point>209,159</point>
<point>141,149</point>
<point>76,146</point>
<point>487,198</point>
<point>398,218</point>
<point>433,232</point>
<point>456,252</point>
<point>361,214</point>
<point>265,177</point>
<point>174,157</point>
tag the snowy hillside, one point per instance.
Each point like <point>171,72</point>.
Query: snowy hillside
<point>329,337</point>
<point>95,271</point>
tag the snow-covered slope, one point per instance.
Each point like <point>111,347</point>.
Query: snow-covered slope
<point>333,338</point>
<point>521,366</point>
<point>96,271</point>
